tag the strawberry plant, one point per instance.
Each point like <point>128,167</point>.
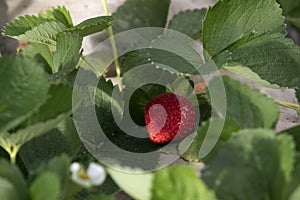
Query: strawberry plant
<point>68,132</point>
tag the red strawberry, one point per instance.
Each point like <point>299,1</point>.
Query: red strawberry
<point>167,116</point>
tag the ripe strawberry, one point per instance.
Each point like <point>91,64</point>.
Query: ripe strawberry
<point>167,116</point>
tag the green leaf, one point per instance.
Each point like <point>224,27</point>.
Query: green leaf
<point>40,52</point>
<point>7,190</point>
<point>14,176</point>
<point>289,6</point>
<point>134,59</point>
<point>137,104</point>
<point>57,107</point>
<point>262,160</point>
<point>295,195</point>
<point>247,73</point>
<point>175,52</point>
<point>104,103</point>
<point>179,182</point>
<point>246,107</point>
<point>45,33</point>
<point>42,149</point>
<point>59,14</point>
<point>292,188</point>
<point>298,95</point>
<point>23,24</point>
<point>137,184</point>
<point>23,84</point>
<point>295,133</point>
<point>230,20</point>
<point>67,52</point>
<point>58,165</point>
<point>114,143</point>
<point>46,186</point>
<point>189,22</point>
<point>68,129</point>
<point>272,57</point>
<point>140,13</point>
<point>59,102</point>
<point>182,87</point>
<point>100,197</point>
<point>192,153</point>
<point>169,51</point>
<point>91,26</point>
<point>139,100</point>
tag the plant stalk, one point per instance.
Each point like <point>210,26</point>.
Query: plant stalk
<point>13,154</point>
<point>289,105</point>
<point>114,48</point>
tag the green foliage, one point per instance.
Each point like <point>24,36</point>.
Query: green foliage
<point>58,165</point>
<point>176,53</point>
<point>45,186</point>
<point>182,87</point>
<point>104,104</point>
<point>15,186</point>
<point>230,20</point>
<point>247,73</point>
<point>7,190</point>
<point>91,26</point>
<point>140,13</point>
<point>57,107</point>
<point>41,149</point>
<point>291,10</point>
<point>68,130</point>
<point>59,102</point>
<point>192,153</point>
<point>46,27</point>
<point>262,160</point>
<point>23,24</point>
<point>134,182</point>
<point>41,53</point>
<point>246,107</point>
<point>273,57</point>
<point>59,14</point>
<point>67,52</point>
<point>24,88</point>
<point>249,160</point>
<point>167,52</point>
<point>100,197</point>
<point>295,133</point>
<point>45,33</point>
<point>179,182</point>
<point>298,95</point>
<point>292,188</point>
<point>289,6</point>
<point>189,22</point>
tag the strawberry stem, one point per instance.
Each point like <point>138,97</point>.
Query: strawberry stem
<point>289,105</point>
<point>114,48</point>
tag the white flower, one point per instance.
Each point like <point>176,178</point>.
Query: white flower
<point>94,175</point>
